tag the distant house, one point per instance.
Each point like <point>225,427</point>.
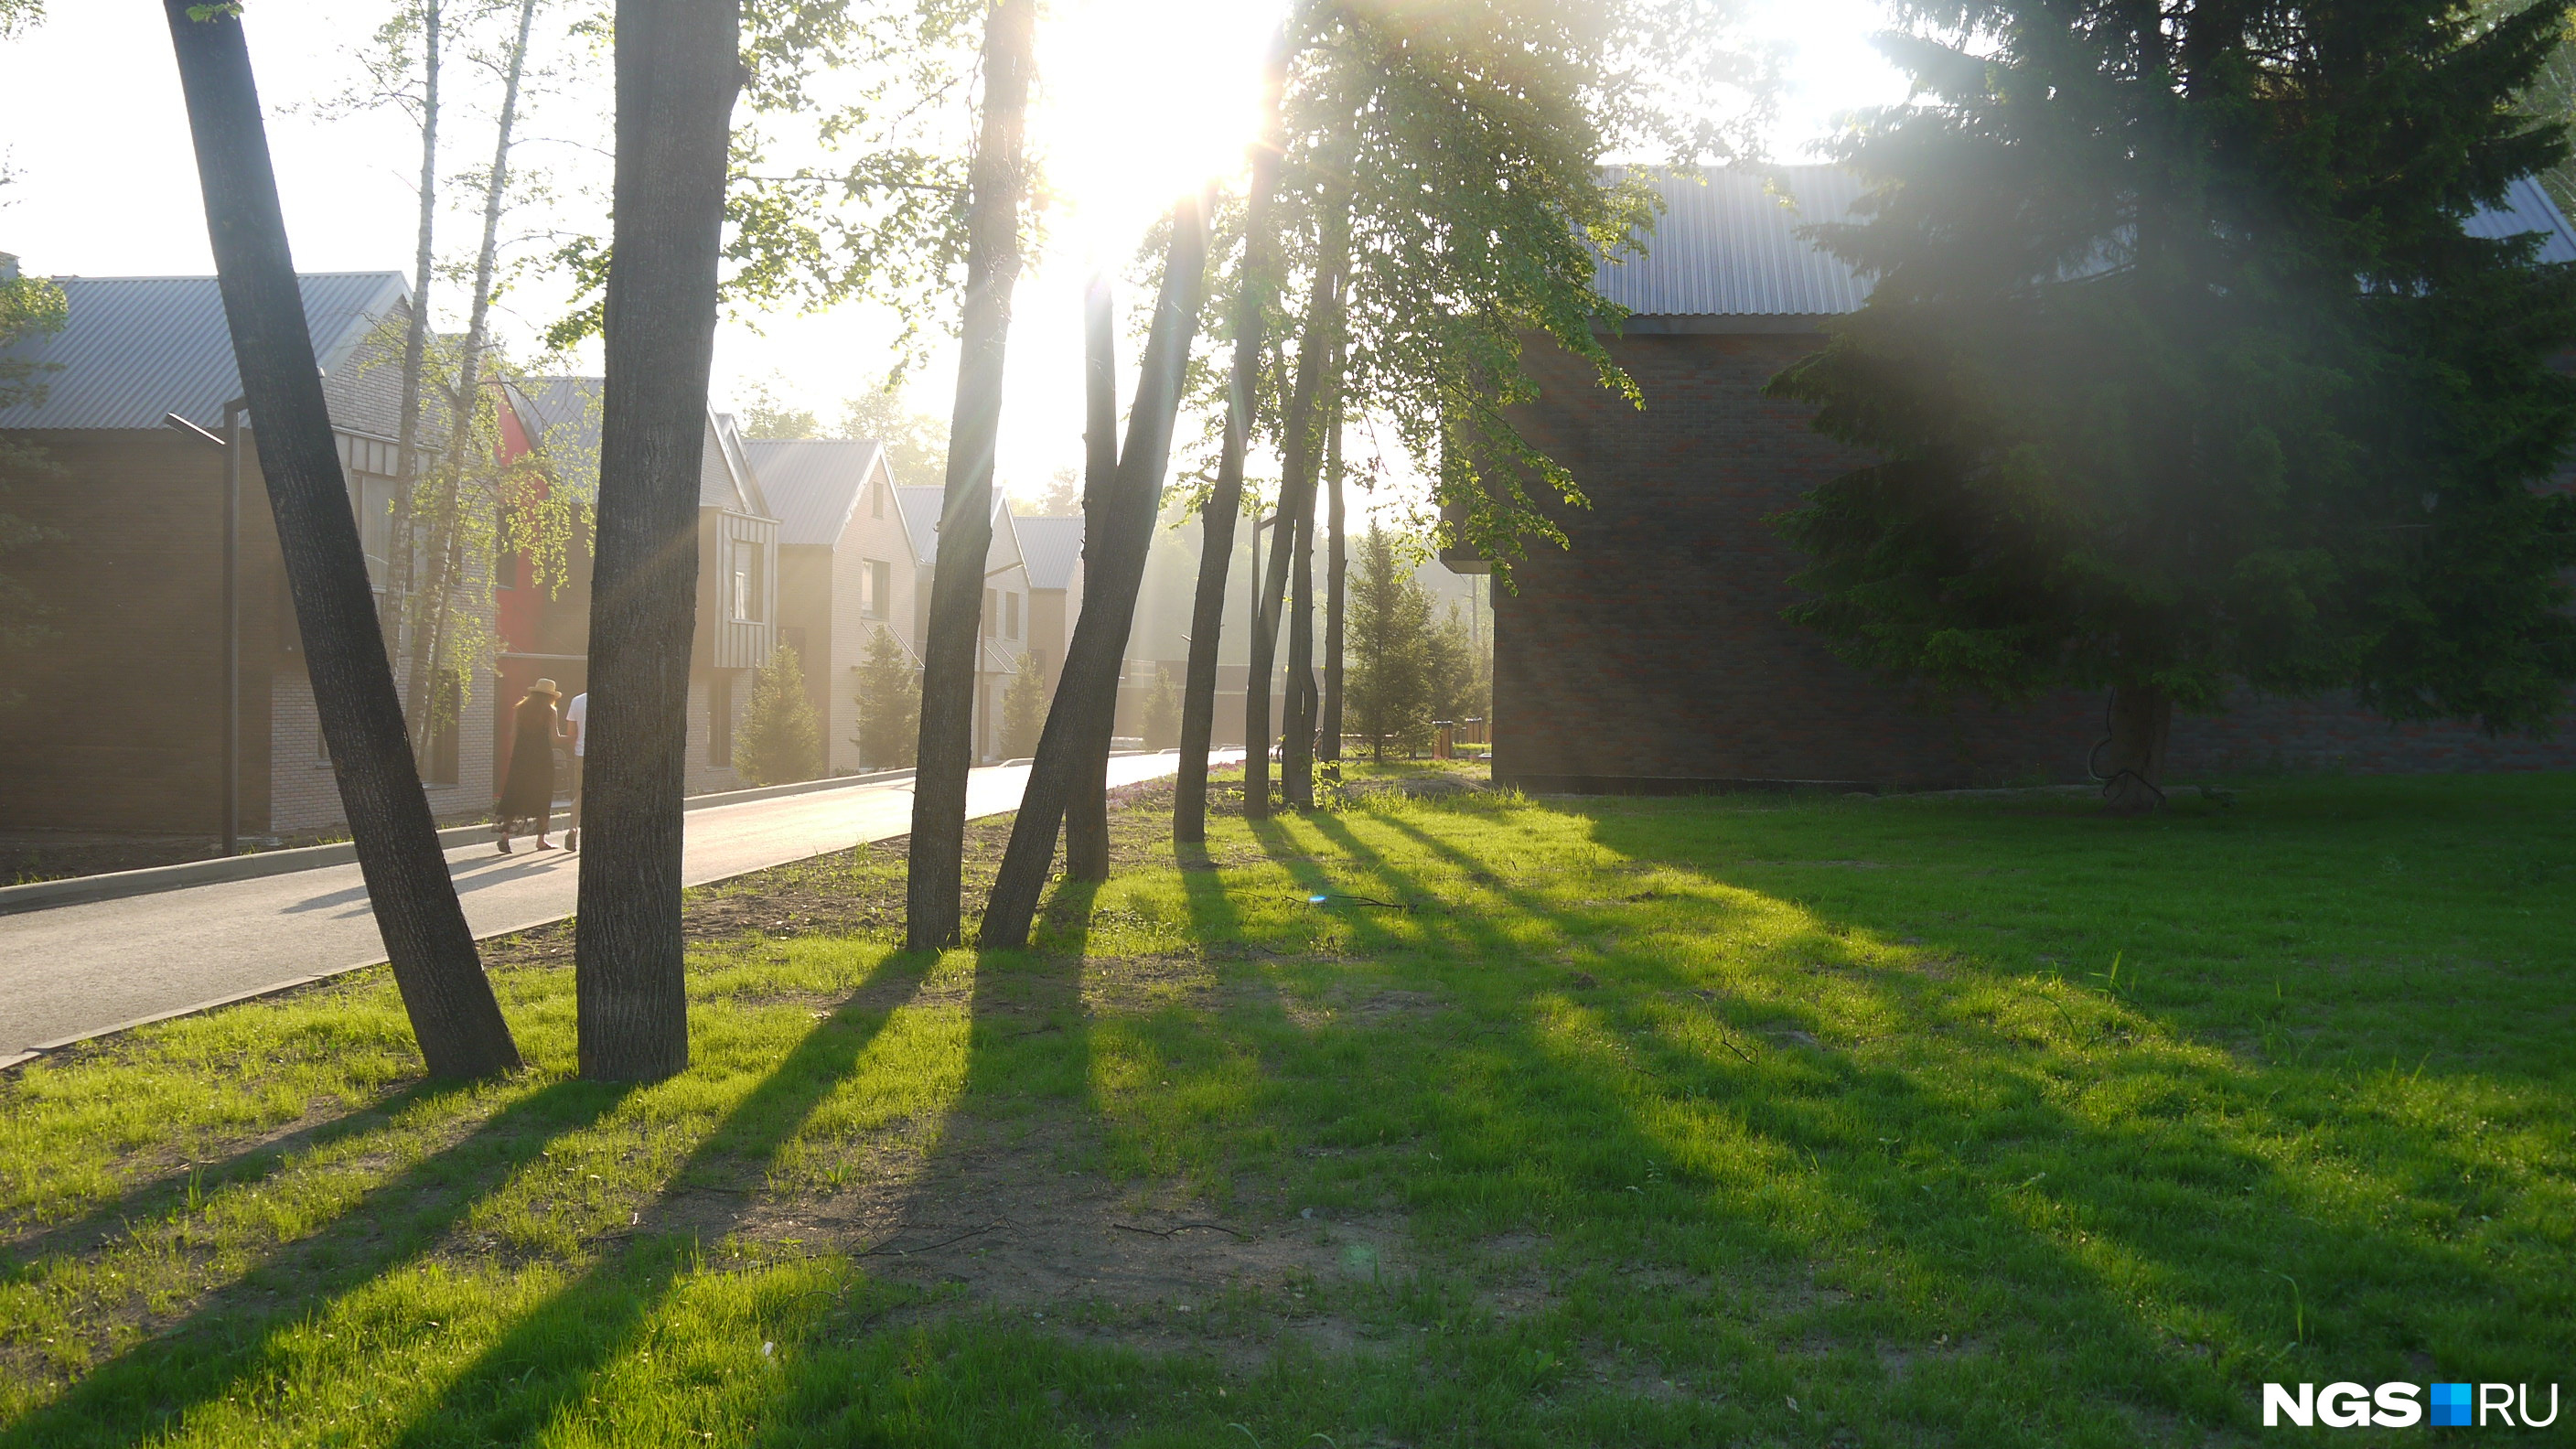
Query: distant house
<point>547,633</point>
<point>121,726</point>
<point>1053,550</point>
<point>1650,653</point>
<point>845,570</point>
<point>1004,632</point>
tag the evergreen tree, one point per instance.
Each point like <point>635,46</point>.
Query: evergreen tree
<point>1024,709</point>
<point>1162,722</point>
<point>778,741</point>
<point>1388,652</point>
<point>2185,375</point>
<point>1449,661</point>
<point>889,701</point>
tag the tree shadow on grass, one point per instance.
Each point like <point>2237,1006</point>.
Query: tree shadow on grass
<point>232,1335</point>
<point>159,1196</point>
<point>549,1357</point>
<point>2153,1252</point>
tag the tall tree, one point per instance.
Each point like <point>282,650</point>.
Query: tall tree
<point>678,70</point>
<point>1253,289</point>
<point>469,420</point>
<point>453,1013</point>
<point>425,19</point>
<point>998,183</point>
<point>2184,374</point>
<point>1300,458</point>
<point>1086,699</point>
<point>1086,812</point>
<point>1336,578</point>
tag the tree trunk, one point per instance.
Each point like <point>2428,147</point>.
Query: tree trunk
<point>1336,575</point>
<point>1086,813</point>
<point>1297,760</point>
<point>453,1013</point>
<point>401,592</point>
<point>1216,516</point>
<point>1300,459</point>
<point>2132,760</point>
<point>678,69</point>
<point>949,667</point>
<point>464,404</point>
<point>1086,696</point>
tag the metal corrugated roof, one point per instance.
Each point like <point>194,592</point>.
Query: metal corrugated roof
<point>813,483</point>
<point>2527,208</point>
<point>134,348</point>
<point>920,510</point>
<point>1728,246</point>
<point>1051,547</point>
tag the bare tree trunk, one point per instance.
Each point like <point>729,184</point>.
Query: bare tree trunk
<point>2132,761</point>
<point>678,70</point>
<point>1300,458</point>
<point>1216,515</point>
<point>1086,696</point>
<point>401,592</point>
<point>1336,576</point>
<point>1086,813</point>
<point>450,1002</point>
<point>949,666</point>
<point>464,404</point>
<point>1297,759</point>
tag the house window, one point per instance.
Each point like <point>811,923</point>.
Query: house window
<point>746,579</point>
<point>989,619</point>
<point>505,551</point>
<point>720,720</point>
<point>1010,616</point>
<point>443,732</point>
<point>876,587</point>
<point>876,500</point>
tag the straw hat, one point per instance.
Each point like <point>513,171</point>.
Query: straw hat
<point>545,686</point>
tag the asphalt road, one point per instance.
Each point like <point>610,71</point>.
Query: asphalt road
<point>78,971</point>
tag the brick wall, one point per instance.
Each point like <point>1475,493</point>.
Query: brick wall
<point>1653,648</point>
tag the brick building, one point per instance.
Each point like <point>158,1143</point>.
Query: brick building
<point>1651,655</point>
<point>121,726</point>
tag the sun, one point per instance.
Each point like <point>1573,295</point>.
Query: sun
<point>1141,103</point>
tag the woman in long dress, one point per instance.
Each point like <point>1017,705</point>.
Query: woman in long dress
<point>529,792</point>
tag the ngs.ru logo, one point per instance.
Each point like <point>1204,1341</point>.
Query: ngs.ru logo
<point>2402,1406</point>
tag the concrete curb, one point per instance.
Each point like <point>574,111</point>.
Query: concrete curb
<point>117,885</point>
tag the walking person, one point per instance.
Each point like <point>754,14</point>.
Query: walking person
<point>576,717</point>
<point>529,792</point>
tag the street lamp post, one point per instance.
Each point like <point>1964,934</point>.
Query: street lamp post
<point>231,443</point>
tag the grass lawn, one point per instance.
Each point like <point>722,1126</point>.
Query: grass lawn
<point>1757,1121</point>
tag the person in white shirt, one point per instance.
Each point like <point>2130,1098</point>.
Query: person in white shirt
<point>577,724</point>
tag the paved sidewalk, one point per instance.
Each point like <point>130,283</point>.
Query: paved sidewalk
<point>77,971</point>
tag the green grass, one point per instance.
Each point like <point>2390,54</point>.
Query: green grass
<point>1831,1122</point>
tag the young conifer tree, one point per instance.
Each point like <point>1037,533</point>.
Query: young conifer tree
<point>1388,651</point>
<point>1024,709</point>
<point>889,701</point>
<point>778,741</point>
<point>2184,373</point>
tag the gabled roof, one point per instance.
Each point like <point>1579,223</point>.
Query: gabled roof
<point>1051,547</point>
<point>1730,248</point>
<point>134,348</point>
<point>564,413</point>
<point>815,484</point>
<point>725,476</point>
<point>920,510</point>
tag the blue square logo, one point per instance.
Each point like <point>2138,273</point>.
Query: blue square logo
<point>2450,1404</point>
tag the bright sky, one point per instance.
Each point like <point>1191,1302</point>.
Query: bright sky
<point>105,185</point>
